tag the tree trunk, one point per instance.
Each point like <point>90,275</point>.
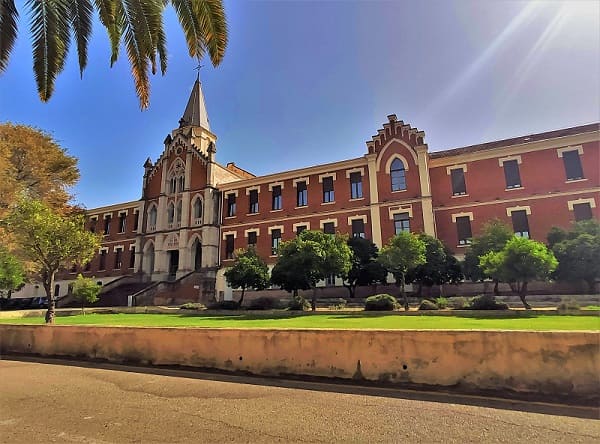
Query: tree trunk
<point>48,286</point>
<point>313,301</point>
<point>496,292</point>
<point>523,295</point>
<point>350,289</point>
<point>403,293</point>
<point>242,296</point>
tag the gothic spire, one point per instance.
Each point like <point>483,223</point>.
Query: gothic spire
<point>195,112</point>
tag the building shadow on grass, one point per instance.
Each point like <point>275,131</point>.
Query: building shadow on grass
<point>496,400</point>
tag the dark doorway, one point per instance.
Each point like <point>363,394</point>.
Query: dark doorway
<point>197,255</point>
<point>173,264</point>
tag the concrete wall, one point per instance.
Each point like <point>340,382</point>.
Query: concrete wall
<point>552,363</point>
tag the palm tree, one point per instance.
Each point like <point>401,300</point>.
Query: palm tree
<point>138,24</point>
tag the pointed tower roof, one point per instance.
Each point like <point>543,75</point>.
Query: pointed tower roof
<point>195,112</point>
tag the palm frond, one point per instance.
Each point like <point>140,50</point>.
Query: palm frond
<point>50,30</point>
<point>111,16</point>
<point>210,16</point>
<point>189,23</point>
<point>8,30</point>
<point>81,20</point>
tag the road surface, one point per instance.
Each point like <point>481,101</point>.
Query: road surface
<point>76,403</point>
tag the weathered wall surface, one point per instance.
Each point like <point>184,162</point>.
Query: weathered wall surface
<point>551,363</point>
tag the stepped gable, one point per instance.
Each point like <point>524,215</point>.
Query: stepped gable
<point>395,129</point>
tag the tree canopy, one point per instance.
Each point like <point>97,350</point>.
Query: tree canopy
<point>85,290</point>
<point>135,24</point>
<point>364,270</point>
<point>12,273</point>
<point>248,271</point>
<point>578,252</point>
<point>520,262</point>
<point>400,255</point>
<point>50,241</point>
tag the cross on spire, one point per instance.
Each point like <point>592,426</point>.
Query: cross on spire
<point>197,69</point>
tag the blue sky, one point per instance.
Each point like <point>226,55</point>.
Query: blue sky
<point>304,83</point>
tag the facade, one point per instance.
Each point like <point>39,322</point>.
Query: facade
<point>194,212</point>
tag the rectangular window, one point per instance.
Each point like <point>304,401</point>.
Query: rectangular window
<point>231,205</point>
<point>463,229</point>
<point>276,204</point>
<point>132,257</point>
<point>302,194</point>
<point>253,196</point>
<point>583,211</point>
<point>401,222</point>
<point>458,182</point>
<point>300,229</point>
<point>358,228</point>
<point>107,225</point>
<point>229,246</point>
<point>511,174</point>
<point>520,223</point>
<point>102,265</point>
<point>118,259</point>
<point>329,228</point>
<point>122,222</point>
<point>275,241</point>
<point>355,186</point>
<point>252,237</point>
<point>328,194</point>
<point>330,280</point>
<point>572,163</point>
<point>136,220</point>
<point>93,223</point>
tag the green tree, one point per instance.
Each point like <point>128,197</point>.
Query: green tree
<point>440,266</point>
<point>309,258</point>
<point>12,273</point>
<point>401,255</point>
<point>248,271</point>
<point>138,24</point>
<point>494,236</point>
<point>520,262</point>
<point>85,290</point>
<point>364,270</point>
<point>50,241</point>
<point>578,252</point>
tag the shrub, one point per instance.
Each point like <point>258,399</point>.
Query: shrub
<point>460,303</point>
<point>381,302</point>
<point>441,302</point>
<point>426,304</point>
<point>341,304</point>
<point>487,302</point>
<point>225,305</point>
<point>298,304</point>
<point>569,305</point>
<point>263,303</point>
<point>192,306</point>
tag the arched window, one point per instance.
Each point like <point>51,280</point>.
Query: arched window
<point>152,219</point>
<point>398,175</point>
<point>179,213</point>
<point>181,183</point>
<point>173,185</point>
<point>198,211</point>
<point>170,213</point>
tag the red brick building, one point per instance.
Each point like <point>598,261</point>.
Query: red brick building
<point>194,212</point>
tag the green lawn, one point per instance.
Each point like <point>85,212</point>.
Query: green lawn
<point>350,321</point>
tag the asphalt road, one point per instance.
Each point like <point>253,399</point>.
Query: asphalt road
<point>46,402</point>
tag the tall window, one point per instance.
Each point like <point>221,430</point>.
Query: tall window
<point>398,175</point>
<point>136,220</point>
<point>459,186</point>
<point>173,185</point>
<point>355,186</point>
<point>107,224</point>
<point>198,211</point>
<point>253,207</point>
<point>358,228</point>
<point>583,211</point>
<point>170,214</point>
<point>511,174</point>
<point>329,228</point>
<point>252,238</point>
<point>152,219</point>
<point>520,223</point>
<point>229,246</point>
<point>231,205</point>
<point>401,222</point>
<point>181,183</point>
<point>132,257</point>
<point>276,202</point>
<point>102,265</point>
<point>118,259</point>
<point>302,194</point>
<point>572,162</point>
<point>328,193</point>
<point>275,241</point>
<point>179,210</point>
<point>463,229</point>
<point>122,222</point>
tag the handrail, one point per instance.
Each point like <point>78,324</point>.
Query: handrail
<point>156,284</point>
